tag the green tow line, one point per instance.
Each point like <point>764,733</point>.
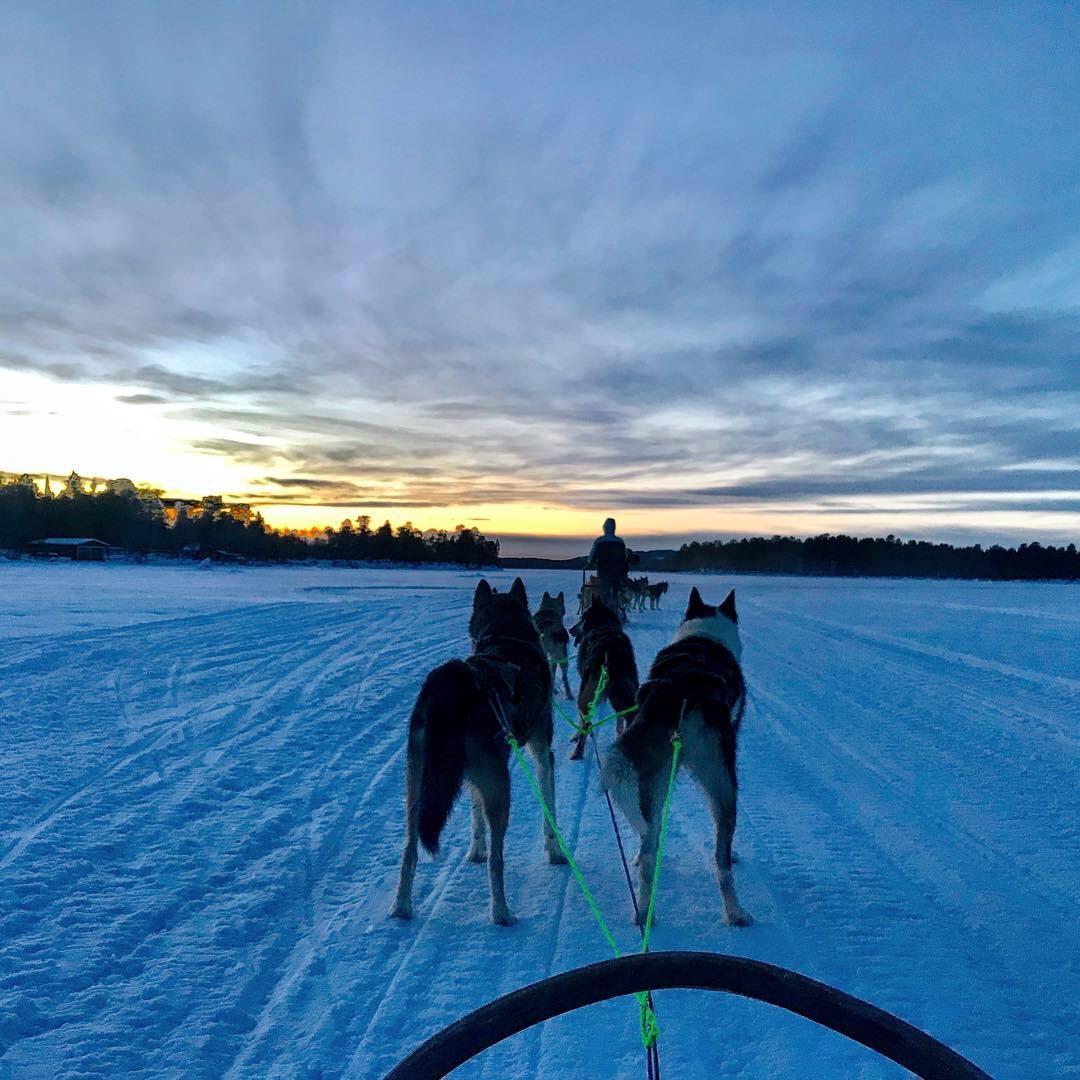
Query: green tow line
<point>650,1029</point>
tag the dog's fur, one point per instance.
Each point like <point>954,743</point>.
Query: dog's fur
<point>695,685</point>
<point>654,593</point>
<point>601,641</point>
<point>455,737</point>
<point>553,637</point>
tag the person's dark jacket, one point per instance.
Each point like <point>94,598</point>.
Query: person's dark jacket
<point>609,558</point>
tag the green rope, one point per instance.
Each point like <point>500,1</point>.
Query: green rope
<point>676,743</point>
<point>589,723</point>
<point>650,1028</point>
<point>550,817</point>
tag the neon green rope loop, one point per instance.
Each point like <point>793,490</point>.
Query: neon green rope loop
<point>589,723</point>
<point>650,1028</point>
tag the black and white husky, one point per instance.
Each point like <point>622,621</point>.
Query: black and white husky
<point>456,736</point>
<point>695,686</point>
<point>553,636</point>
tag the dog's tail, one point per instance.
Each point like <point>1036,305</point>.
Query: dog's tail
<point>620,780</point>
<point>438,726</point>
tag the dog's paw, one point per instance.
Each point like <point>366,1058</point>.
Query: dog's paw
<point>504,918</point>
<point>400,911</point>
<point>739,917</point>
<point>556,857</point>
<point>477,855</point>
<point>578,751</point>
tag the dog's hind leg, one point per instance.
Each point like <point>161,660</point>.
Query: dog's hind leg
<point>478,847</point>
<point>545,768</point>
<point>565,665</point>
<point>646,864</point>
<point>652,800</point>
<point>585,695</point>
<point>705,760</point>
<point>722,806</point>
<point>495,793</point>
<point>402,907</point>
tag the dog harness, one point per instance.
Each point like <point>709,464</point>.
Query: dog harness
<point>698,670</point>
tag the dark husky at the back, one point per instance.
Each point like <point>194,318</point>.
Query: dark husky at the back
<point>603,643</point>
<point>455,737</point>
<point>695,685</point>
<point>553,636</point>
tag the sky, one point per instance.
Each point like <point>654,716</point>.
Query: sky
<point>712,268</point>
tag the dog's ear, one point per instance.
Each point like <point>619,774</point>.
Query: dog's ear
<point>546,597</point>
<point>482,596</point>
<point>517,591</point>
<point>728,607</point>
<point>560,598</point>
<point>697,607</point>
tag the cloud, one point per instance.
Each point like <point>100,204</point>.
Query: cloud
<point>142,399</point>
<point>688,258</point>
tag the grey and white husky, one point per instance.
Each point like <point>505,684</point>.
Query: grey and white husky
<point>553,636</point>
<point>456,737</point>
<point>695,686</point>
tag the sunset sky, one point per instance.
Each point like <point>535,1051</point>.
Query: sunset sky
<point>710,268</point>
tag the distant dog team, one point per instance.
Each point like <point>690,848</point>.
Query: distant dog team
<point>468,709</point>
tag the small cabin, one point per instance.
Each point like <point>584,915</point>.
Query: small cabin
<point>80,548</point>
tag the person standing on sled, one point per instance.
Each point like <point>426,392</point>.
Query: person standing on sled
<point>611,561</point>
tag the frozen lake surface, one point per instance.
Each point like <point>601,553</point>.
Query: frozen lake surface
<point>201,820</point>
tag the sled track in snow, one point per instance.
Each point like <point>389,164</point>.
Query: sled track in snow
<point>203,830</point>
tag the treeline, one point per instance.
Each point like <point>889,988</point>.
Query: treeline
<point>888,557</point>
<point>138,522</point>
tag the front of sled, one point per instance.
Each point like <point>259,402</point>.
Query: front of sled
<point>882,1032</point>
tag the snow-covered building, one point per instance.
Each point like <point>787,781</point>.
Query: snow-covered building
<point>81,548</point>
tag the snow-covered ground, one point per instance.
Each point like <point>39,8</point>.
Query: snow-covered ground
<point>201,807</point>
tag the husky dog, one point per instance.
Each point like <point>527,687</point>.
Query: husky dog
<point>456,736</point>
<point>589,591</point>
<point>553,636</point>
<point>695,686</point>
<point>654,593</point>
<point>633,593</point>
<point>602,642</point>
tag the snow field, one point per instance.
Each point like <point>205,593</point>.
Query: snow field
<point>201,822</point>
